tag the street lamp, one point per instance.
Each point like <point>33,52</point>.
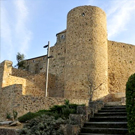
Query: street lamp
<point>47,66</point>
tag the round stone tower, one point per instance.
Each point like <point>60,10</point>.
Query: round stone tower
<point>86,63</point>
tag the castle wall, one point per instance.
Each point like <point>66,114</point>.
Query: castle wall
<point>36,65</point>
<point>121,65</point>
<point>83,61</point>
<point>12,99</point>
<point>37,79</point>
<point>86,64</point>
<point>1,74</point>
<point>21,92</point>
<point>5,70</point>
<point>56,66</point>
<point>7,99</point>
<point>32,84</point>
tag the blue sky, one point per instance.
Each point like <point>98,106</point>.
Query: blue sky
<point>27,25</point>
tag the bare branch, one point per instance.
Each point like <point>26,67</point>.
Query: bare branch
<point>98,86</point>
<point>88,84</point>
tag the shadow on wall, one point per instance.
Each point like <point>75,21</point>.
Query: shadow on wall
<point>32,84</point>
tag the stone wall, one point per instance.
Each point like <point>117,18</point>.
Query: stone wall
<point>32,84</point>
<point>121,65</point>
<point>28,86</point>
<point>37,79</point>
<point>1,74</point>
<point>6,131</point>
<point>81,57</point>
<point>12,99</point>
<point>36,65</point>
<point>86,53</point>
<point>23,91</point>
<point>56,66</point>
<point>83,60</point>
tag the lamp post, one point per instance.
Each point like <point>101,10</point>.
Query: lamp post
<point>47,66</point>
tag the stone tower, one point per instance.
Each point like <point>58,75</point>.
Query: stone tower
<point>86,60</point>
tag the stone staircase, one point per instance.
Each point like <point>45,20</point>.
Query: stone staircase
<point>110,120</point>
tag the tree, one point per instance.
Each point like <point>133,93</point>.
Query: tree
<point>20,61</point>
<point>90,86</point>
<point>130,103</point>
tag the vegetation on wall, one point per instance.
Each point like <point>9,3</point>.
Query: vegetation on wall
<point>43,125</point>
<point>48,122</point>
<point>20,61</point>
<point>130,103</point>
<point>13,116</point>
<point>58,111</point>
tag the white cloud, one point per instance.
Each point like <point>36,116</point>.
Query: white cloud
<point>6,33</point>
<point>24,34</point>
<point>119,15</point>
<point>22,15</point>
<point>15,36</point>
<point>91,2</point>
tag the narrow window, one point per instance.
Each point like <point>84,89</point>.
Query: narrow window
<point>62,36</point>
<point>83,14</point>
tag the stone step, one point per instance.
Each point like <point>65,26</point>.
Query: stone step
<point>98,134</point>
<point>106,124</point>
<point>119,102</point>
<point>116,117</point>
<point>106,105</point>
<point>110,114</point>
<point>120,106</point>
<point>104,130</point>
<point>110,120</point>
<point>113,110</point>
<point>107,119</point>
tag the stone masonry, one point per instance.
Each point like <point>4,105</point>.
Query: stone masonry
<point>83,55</point>
<point>83,60</point>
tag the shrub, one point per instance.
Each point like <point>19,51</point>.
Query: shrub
<point>8,116</point>
<point>57,111</point>
<point>15,114</point>
<point>27,116</point>
<point>43,125</point>
<point>57,108</point>
<point>130,103</point>
<point>67,111</point>
<point>40,112</point>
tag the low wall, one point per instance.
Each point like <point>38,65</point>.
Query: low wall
<point>37,79</point>
<point>6,131</point>
<point>12,99</point>
<point>32,84</point>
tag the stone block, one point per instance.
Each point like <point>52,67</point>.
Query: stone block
<point>77,119</point>
<point>81,110</point>
<point>71,129</point>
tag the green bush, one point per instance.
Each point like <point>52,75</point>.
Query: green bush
<point>57,108</point>
<point>8,116</point>
<point>40,112</point>
<point>130,103</point>
<point>57,111</point>
<point>27,116</point>
<point>43,125</point>
<point>15,114</point>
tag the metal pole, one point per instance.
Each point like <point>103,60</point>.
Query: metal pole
<point>47,69</point>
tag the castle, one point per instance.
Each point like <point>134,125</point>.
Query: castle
<point>83,60</point>
<point>83,52</point>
